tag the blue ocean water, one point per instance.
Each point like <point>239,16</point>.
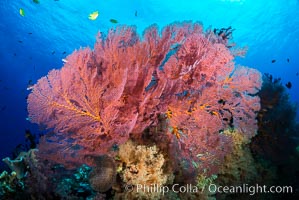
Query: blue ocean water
<point>35,43</point>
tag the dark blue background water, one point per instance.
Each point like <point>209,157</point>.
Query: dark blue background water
<point>33,44</point>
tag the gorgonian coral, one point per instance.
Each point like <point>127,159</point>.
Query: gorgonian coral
<point>126,83</point>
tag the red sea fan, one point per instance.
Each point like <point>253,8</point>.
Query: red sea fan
<point>69,101</point>
<point>125,84</point>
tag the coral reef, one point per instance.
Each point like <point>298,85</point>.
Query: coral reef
<point>75,186</point>
<point>274,147</point>
<point>240,167</point>
<point>269,157</point>
<point>46,180</point>
<point>277,124</point>
<point>143,166</point>
<point>101,97</point>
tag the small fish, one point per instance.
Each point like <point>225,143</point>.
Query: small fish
<point>22,12</point>
<point>273,61</point>
<point>28,133</point>
<point>297,73</point>
<point>64,60</point>
<point>35,1</point>
<point>15,54</point>
<point>20,41</point>
<point>288,60</point>
<point>221,101</point>
<point>94,15</point>
<point>29,85</point>
<point>200,155</point>
<point>53,52</point>
<point>135,13</point>
<point>114,21</point>
<point>64,52</point>
<point>214,113</point>
<point>115,147</point>
<point>289,85</point>
<point>28,118</point>
<point>194,164</point>
<point>30,33</point>
<point>277,80</point>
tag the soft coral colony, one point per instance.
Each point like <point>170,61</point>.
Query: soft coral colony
<point>180,82</point>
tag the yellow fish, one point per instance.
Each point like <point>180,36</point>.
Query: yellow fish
<point>22,12</point>
<point>94,15</point>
